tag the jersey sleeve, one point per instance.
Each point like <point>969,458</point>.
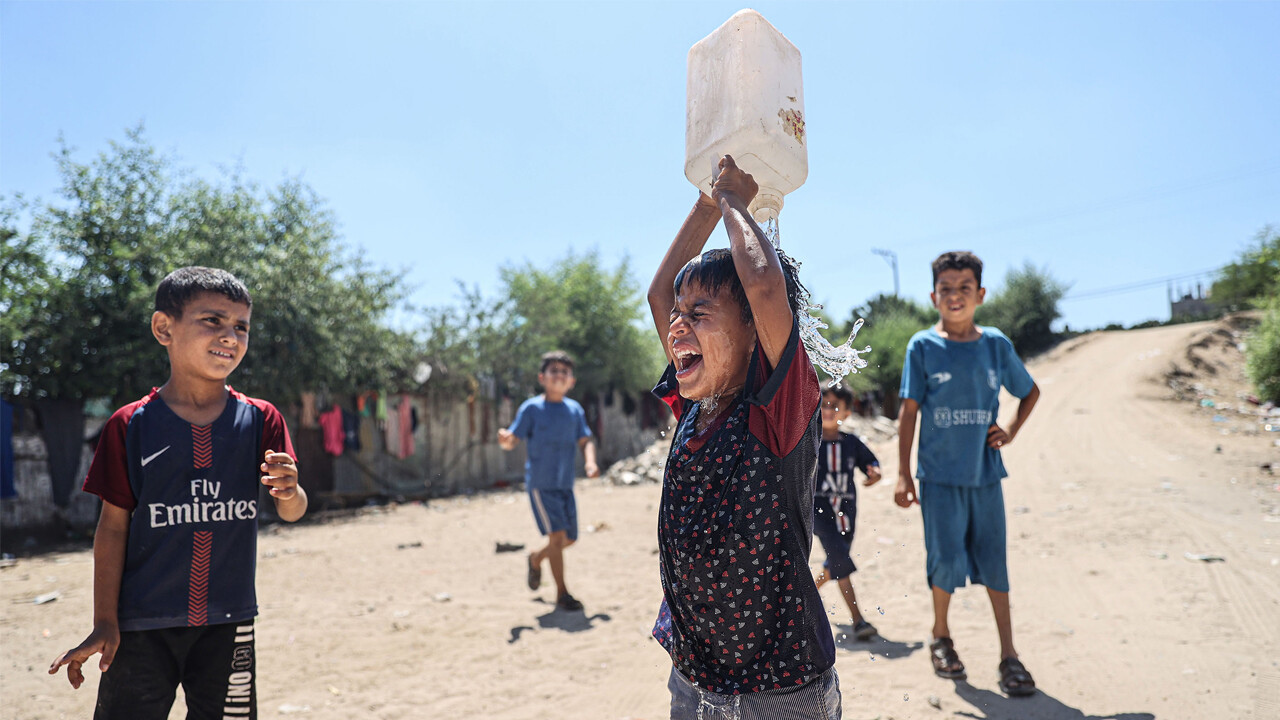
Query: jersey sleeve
<point>583,430</point>
<point>863,458</point>
<point>108,476</point>
<point>275,434</point>
<point>1013,374</point>
<point>668,391</point>
<point>522,426</point>
<point>785,398</point>
<point>915,380</point>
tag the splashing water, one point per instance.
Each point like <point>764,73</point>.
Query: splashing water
<point>836,361</point>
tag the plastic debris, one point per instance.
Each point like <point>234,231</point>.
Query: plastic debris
<point>47,597</point>
<point>935,701</point>
<point>506,547</point>
<point>406,546</point>
<point>1203,557</point>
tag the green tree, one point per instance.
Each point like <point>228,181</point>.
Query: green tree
<point>595,314</point>
<point>890,321</point>
<point>1254,276</point>
<point>1263,354</point>
<point>1025,308</point>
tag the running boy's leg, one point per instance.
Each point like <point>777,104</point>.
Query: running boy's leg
<point>142,682</point>
<point>219,679</point>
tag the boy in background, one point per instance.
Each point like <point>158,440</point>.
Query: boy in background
<point>176,546</point>
<point>554,427</point>
<point>835,506</point>
<point>952,377</point>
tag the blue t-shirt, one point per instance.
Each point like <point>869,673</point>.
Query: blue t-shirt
<point>957,385</point>
<point>551,431</point>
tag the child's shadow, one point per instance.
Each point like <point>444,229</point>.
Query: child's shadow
<point>1041,706</point>
<point>567,620</point>
<point>877,646</point>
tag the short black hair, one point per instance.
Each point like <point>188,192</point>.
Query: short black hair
<point>842,393</point>
<point>715,271</point>
<point>958,260</point>
<point>555,356</point>
<point>179,286</point>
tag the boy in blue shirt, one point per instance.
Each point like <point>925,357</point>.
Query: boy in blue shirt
<point>835,506</point>
<point>952,376</point>
<point>554,427</point>
<point>176,546</point>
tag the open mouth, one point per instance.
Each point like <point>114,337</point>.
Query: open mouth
<point>686,361</point>
<point>222,354</point>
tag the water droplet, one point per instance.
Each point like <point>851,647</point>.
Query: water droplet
<point>880,609</point>
<point>905,697</point>
<point>873,657</point>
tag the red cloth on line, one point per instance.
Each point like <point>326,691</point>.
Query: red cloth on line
<point>334,437</point>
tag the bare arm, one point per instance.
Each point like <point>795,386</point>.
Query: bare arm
<point>905,492</point>
<point>755,260</point>
<point>589,456</point>
<point>109,546</point>
<point>688,242</point>
<point>281,475</point>
<point>998,437</point>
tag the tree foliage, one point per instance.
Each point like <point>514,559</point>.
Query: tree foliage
<point>1025,309</point>
<point>1255,276</point>
<point>76,325</point>
<point>890,322</point>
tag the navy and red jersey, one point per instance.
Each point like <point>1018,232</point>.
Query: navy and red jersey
<point>193,492</point>
<point>740,611</point>
<point>837,460</point>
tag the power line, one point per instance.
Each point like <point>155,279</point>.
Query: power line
<point>1142,284</point>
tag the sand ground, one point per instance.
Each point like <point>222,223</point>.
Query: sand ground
<point>408,611</point>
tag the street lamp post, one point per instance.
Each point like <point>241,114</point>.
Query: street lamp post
<point>890,257</point>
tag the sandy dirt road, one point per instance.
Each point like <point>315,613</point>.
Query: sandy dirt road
<point>407,611</point>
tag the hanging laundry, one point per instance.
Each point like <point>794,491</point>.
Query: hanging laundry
<point>7,489</point>
<point>406,427</point>
<point>334,437</point>
<point>390,429</point>
<point>351,431</point>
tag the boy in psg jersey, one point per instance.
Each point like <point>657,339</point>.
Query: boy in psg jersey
<point>741,618</point>
<point>174,553</point>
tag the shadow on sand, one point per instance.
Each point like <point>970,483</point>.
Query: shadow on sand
<point>877,646</point>
<point>566,620</point>
<point>994,706</point>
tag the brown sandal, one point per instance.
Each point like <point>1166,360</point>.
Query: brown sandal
<point>1015,681</point>
<point>946,663</point>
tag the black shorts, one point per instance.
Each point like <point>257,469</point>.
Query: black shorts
<point>833,526</point>
<point>214,664</point>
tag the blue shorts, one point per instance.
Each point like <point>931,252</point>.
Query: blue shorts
<point>555,510</point>
<point>964,536</point>
<point>835,532</point>
<point>817,700</point>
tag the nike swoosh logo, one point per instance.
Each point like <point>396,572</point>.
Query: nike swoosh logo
<point>149,458</point>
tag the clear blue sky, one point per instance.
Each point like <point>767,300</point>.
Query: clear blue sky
<point>1109,143</point>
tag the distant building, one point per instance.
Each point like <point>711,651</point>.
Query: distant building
<point>1190,305</point>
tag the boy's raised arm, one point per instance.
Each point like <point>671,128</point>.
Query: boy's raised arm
<point>688,242</point>
<point>109,544</point>
<point>755,259</point>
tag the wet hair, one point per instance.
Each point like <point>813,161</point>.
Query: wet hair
<point>714,270</point>
<point>958,260</point>
<point>555,356</point>
<point>842,393</point>
<point>180,286</point>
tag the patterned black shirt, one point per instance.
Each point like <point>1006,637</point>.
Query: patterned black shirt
<point>740,612</point>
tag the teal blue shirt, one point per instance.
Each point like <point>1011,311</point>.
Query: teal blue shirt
<point>551,431</point>
<point>957,385</point>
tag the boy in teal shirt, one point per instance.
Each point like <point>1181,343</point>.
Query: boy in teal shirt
<point>952,377</point>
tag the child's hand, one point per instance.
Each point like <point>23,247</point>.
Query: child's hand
<point>281,474</point>
<point>997,437</point>
<point>592,470</point>
<point>905,493</point>
<point>873,476</point>
<point>104,639</point>
<point>506,439</point>
<point>733,181</point>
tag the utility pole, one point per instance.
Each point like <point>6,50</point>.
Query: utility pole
<point>890,257</point>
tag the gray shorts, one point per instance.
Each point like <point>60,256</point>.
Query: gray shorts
<point>818,700</point>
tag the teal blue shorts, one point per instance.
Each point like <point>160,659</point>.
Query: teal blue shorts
<point>964,536</point>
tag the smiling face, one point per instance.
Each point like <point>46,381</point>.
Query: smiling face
<point>834,411</point>
<point>710,342</point>
<point>956,295</point>
<point>557,380</point>
<point>208,341</point>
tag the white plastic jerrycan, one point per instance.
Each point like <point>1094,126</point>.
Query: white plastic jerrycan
<point>745,99</point>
